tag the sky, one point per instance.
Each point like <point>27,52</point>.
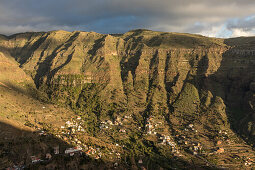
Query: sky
<point>214,18</point>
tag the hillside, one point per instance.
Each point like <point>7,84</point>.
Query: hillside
<point>143,99</point>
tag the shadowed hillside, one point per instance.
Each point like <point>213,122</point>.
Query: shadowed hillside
<point>20,146</point>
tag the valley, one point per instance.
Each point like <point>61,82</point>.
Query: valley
<point>139,100</point>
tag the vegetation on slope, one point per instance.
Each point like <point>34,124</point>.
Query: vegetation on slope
<point>160,97</point>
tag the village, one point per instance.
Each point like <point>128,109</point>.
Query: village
<point>180,142</point>
<point>69,133</point>
<point>185,140</point>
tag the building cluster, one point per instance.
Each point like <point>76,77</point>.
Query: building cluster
<point>223,134</point>
<point>72,126</point>
<point>118,122</point>
<point>167,140</point>
<point>152,125</point>
<point>72,151</point>
<point>248,162</point>
<point>78,150</point>
<point>106,124</point>
<point>190,128</point>
<point>193,146</point>
<point>48,156</point>
<point>68,133</point>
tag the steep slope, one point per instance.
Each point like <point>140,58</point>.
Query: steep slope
<point>149,85</point>
<point>30,126</point>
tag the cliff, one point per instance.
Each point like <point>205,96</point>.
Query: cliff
<point>179,78</point>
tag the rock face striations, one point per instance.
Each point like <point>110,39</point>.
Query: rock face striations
<point>180,78</point>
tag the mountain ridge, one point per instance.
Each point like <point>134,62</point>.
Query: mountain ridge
<point>176,78</point>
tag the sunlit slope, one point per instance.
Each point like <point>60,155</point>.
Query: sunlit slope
<point>175,78</point>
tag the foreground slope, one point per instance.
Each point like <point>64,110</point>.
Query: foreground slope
<point>163,96</point>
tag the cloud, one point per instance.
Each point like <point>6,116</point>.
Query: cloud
<point>247,23</point>
<point>238,32</point>
<point>114,16</point>
<point>242,26</point>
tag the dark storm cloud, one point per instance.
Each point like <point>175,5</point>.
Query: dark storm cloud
<point>110,16</point>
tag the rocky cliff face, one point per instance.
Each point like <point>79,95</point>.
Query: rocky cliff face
<point>141,70</point>
<point>181,78</point>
